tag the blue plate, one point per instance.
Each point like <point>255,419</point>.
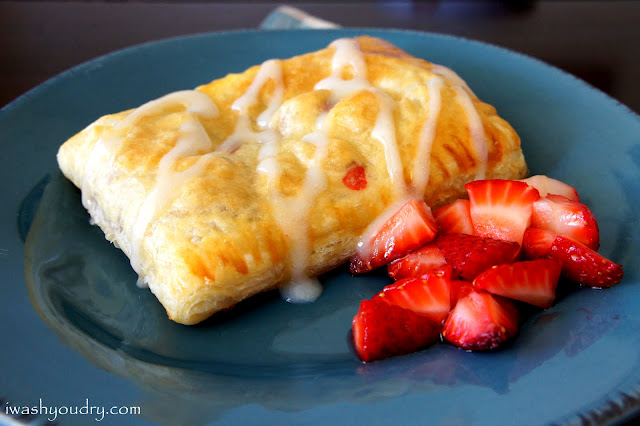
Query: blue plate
<point>77,332</point>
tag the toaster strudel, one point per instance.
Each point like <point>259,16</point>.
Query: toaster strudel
<point>269,177</point>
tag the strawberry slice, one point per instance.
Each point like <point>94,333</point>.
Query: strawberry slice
<point>537,242</point>
<point>583,265</point>
<point>470,254</point>
<point>459,289</point>
<point>382,330</point>
<point>408,229</point>
<point>546,185</point>
<point>454,218</point>
<point>532,281</point>
<point>420,262</point>
<point>501,208</point>
<point>428,295</point>
<point>481,321</point>
<point>563,216</point>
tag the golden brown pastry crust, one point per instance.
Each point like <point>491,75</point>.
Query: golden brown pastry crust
<point>217,239</point>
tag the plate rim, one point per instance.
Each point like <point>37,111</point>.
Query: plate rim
<point>626,410</point>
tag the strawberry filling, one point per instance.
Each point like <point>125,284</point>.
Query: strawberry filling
<point>355,178</point>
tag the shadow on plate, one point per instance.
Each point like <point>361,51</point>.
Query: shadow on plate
<point>281,356</point>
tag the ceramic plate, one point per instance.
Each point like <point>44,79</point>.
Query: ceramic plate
<point>76,331</point>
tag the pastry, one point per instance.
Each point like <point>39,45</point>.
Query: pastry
<point>245,184</point>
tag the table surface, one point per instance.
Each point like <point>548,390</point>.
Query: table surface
<point>596,41</point>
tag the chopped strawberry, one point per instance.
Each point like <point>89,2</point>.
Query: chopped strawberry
<point>532,281</point>
<point>583,265</point>
<point>454,218</point>
<point>459,289</point>
<point>537,242</point>
<point>381,330</point>
<point>417,263</point>
<point>501,208</point>
<point>546,185</point>
<point>407,230</point>
<point>563,216</point>
<point>428,295</point>
<point>470,255</point>
<point>481,321</point>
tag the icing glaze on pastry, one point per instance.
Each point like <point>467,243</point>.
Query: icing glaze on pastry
<point>422,160</point>
<point>194,102</point>
<point>269,71</point>
<point>290,212</point>
<point>476,129</point>
<point>346,53</point>
<point>237,187</point>
<point>452,76</point>
<point>193,140</point>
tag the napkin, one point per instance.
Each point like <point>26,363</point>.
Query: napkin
<point>284,17</point>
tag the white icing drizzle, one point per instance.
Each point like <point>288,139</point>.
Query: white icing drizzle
<point>452,76</point>
<point>422,160</point>
<point>421,163</point>
<point>193,139</point>
<point>291,212</point>
<point>243,131</point>
<point>269,70</point>
<point>194,101</point>
<point>385,132</point>
<point>293,215</point>
<point>476,130</point>
<point>346,53</point>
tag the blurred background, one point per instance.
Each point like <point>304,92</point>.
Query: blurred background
<point>595,40</point>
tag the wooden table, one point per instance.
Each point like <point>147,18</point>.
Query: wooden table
<point>598,41</point>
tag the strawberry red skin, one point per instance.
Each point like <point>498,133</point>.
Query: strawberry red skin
<point>532,281</point>
<point>428,295</point>
<point>407,230</point>
<point>420,262</point>
<point>563,216</point>
<point>500,208</point>
<point>458,289</point>
<point>454,218</point>
<point>381,330</point>
<point>583,265</point>
<point>481,321</point>
<point>546,185</point>
<point>537,242</point>
<point>470,255</point>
